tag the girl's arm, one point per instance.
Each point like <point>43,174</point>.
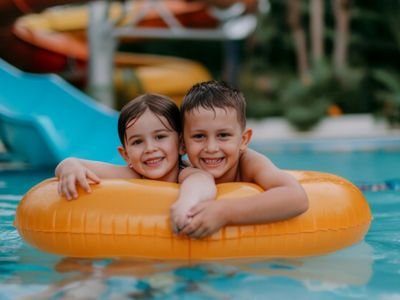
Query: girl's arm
<point>196,186</point>
<point>73,172</point>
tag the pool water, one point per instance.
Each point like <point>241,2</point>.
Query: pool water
<point>368,270</point>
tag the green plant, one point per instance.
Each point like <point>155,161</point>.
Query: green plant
<point>389,95</point>
<point>373,42</point>
<point>304,106</point>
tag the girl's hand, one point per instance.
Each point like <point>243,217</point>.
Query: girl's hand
<point>196,186</point>
<point>71,173</point>
<point>180,215</point>
<point>206,218</point>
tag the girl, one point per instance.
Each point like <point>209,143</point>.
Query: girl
<point>149,129</point>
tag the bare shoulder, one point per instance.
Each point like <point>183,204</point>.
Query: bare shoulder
<point>253,160</point>
<point>257,168</point>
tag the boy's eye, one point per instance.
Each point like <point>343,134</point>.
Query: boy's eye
<point>224,135</point>
<point>198,136</point>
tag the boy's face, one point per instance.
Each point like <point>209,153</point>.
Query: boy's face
<point>214,141</point>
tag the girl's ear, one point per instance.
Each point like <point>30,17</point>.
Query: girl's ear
<point>123,154</point>
<point>246,137</point>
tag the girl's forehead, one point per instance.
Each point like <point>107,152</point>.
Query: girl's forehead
<point>148,120</point>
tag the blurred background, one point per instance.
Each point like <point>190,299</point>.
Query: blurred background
<point>310,59</point>
<point>300,61</point>
<point>303,60</point>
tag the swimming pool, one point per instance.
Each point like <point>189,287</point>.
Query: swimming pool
<point>370,269</point>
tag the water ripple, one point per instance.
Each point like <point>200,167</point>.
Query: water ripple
<point>6,197</point>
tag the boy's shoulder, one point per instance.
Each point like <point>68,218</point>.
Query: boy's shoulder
<point>250,156</point>
<point>251,162</point>
<point>257,168</point>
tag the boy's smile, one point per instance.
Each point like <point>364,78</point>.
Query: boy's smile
<point>214,140</point>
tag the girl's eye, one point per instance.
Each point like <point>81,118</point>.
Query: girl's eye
<point>136,142</point>
<point>160,136</point>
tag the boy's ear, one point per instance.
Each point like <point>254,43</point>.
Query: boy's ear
<point>246,137</point>
<point>123,154</point>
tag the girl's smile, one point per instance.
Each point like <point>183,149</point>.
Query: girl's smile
<point>151,147</point>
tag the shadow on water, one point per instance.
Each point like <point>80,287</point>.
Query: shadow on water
<point>73,278</point>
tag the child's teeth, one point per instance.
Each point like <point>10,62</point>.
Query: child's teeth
<point>213,161</point>
<point>153,161</point>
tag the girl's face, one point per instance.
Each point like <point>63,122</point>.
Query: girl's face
<point>152,148</point>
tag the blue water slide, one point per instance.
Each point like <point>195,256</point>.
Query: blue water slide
<point>43,120</point>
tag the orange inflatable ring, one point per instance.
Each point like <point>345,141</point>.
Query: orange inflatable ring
<point>130,218</point>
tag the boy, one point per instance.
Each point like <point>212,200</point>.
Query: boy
<point>215,140</point>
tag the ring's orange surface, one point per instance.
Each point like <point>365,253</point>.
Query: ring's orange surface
<point>130,218</point>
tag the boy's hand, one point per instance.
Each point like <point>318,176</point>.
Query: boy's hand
<point>207,218</point>
<point>70,173</point>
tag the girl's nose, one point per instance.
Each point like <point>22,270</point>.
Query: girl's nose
<point>150,147</point>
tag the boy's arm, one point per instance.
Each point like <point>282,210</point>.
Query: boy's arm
<point>283,198</point>
<point>73,171</point>
<point>196,186</point>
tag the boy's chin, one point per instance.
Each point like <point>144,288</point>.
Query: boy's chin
<point>214,173</point>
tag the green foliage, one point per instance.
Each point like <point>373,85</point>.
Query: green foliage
<point>271,84</point>
<point>304,105</point>
<point>389,95</point>
<point>262,92</point>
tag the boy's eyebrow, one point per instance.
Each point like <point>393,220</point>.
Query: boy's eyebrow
<point>218,129</point>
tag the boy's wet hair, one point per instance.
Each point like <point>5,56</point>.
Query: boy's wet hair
<point>212,94</point>
<point>159,105</point>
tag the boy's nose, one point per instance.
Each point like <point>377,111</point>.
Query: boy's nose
<point>212,146</point>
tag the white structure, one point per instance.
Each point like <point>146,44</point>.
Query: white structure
<point>235,24</point>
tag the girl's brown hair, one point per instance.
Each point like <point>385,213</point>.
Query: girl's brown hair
<point>160,105</point>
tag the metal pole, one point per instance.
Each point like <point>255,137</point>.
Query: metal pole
<point>102,45</point>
